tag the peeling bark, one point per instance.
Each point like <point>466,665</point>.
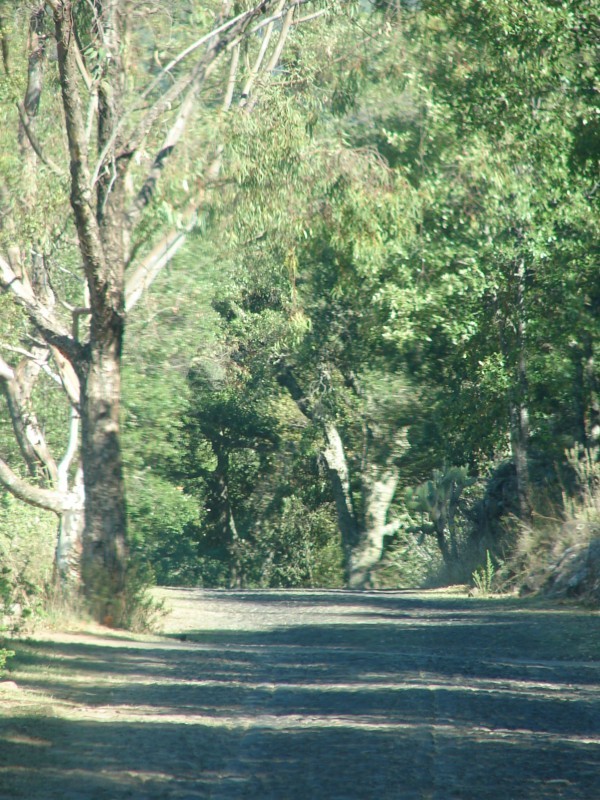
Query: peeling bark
<point>69,541</point>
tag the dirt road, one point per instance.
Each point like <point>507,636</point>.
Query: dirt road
<point>310,696</point>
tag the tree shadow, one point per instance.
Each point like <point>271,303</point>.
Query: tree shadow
<point>406,700</point>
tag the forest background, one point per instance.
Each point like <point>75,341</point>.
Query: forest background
<point>366,352</point>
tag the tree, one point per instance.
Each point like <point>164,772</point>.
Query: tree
<point>508,229</point>
<point>311,325</point>
<point>110,199</point>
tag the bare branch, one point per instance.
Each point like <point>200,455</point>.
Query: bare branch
<point>143,128</point>
<point>276,55</point>
<point>47,499</point>
<point>233,70</point>
<point>171,140</point>
<point>91,112</point>
<point>89,83</point>
<point>81,195</point>
<point>193,47</point>
<point>34,142</point>
<point>42,317</point>
<point>261,55</point>
<point>18,389</point>
<point>271,19</point>
<point>230,37</point>
<point>27,353</point>
<point>71,451</point>
<point>221,29</point>
<point>149,268</point>
<point>310,17</point>
<point>41,362</point>
<point>147,271</point>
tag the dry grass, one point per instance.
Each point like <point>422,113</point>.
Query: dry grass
<point>559,555</point>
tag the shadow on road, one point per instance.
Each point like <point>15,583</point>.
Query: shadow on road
<point>407,698</point>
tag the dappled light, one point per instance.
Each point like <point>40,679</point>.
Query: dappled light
<point>312,694</point>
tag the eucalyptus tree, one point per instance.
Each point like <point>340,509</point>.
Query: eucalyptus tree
<point>306,319</point>
<point>99,155</point>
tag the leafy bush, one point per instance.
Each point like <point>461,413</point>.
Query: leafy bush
<point>4,656</point>
<point>299,547</point>
<point>409,561</point>
<point>27,542</point>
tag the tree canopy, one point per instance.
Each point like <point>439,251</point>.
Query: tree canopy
<point>346,257</point>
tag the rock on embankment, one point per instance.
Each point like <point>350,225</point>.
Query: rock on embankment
<point>577,574</point>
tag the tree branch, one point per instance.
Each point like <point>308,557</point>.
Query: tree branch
<point>231,35</point>
<point>44,320</point>
<point>203,40</point>
<point>276,55</point>
<point>171,140</point>
<point>81,193</point>
<point>233,70</point>
<point>47,499</point>
<point>34,142</point>
<point>149,268</point>
<point>164,251</point>
<point>261,55</point>
<point>28,431</point>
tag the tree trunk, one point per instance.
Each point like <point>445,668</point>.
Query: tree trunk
<point>104,548</point>
<point>335,458</point>
<point>519,413</point>
<point>362,544</point>
<point>517,400</point>
<point>69,542</point>
<point>226,517</point>
<point>378,492</point>
<point>591,394</point>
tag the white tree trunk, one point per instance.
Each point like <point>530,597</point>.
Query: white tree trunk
<point>69,543</point>
<point>378,493</point>
<point>339,473</point>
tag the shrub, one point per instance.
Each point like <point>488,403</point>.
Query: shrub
<point>483,577</point>
<point>559,554</point>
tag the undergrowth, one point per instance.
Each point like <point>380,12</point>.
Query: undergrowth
<point>560,555</point>
<point>483,577</point>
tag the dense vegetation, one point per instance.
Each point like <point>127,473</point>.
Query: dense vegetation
<point>373,359</point>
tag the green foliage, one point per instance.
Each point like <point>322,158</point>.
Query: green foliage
<point>5,655</point>
<point>297,547</point>
<point>367,238</point>
<point>413,207</point>
<point>409,561</point>
<point>483,577</point>
<point>440,498</point>
<point>27,541</point>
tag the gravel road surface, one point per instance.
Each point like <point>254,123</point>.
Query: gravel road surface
<point>320,695</point>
